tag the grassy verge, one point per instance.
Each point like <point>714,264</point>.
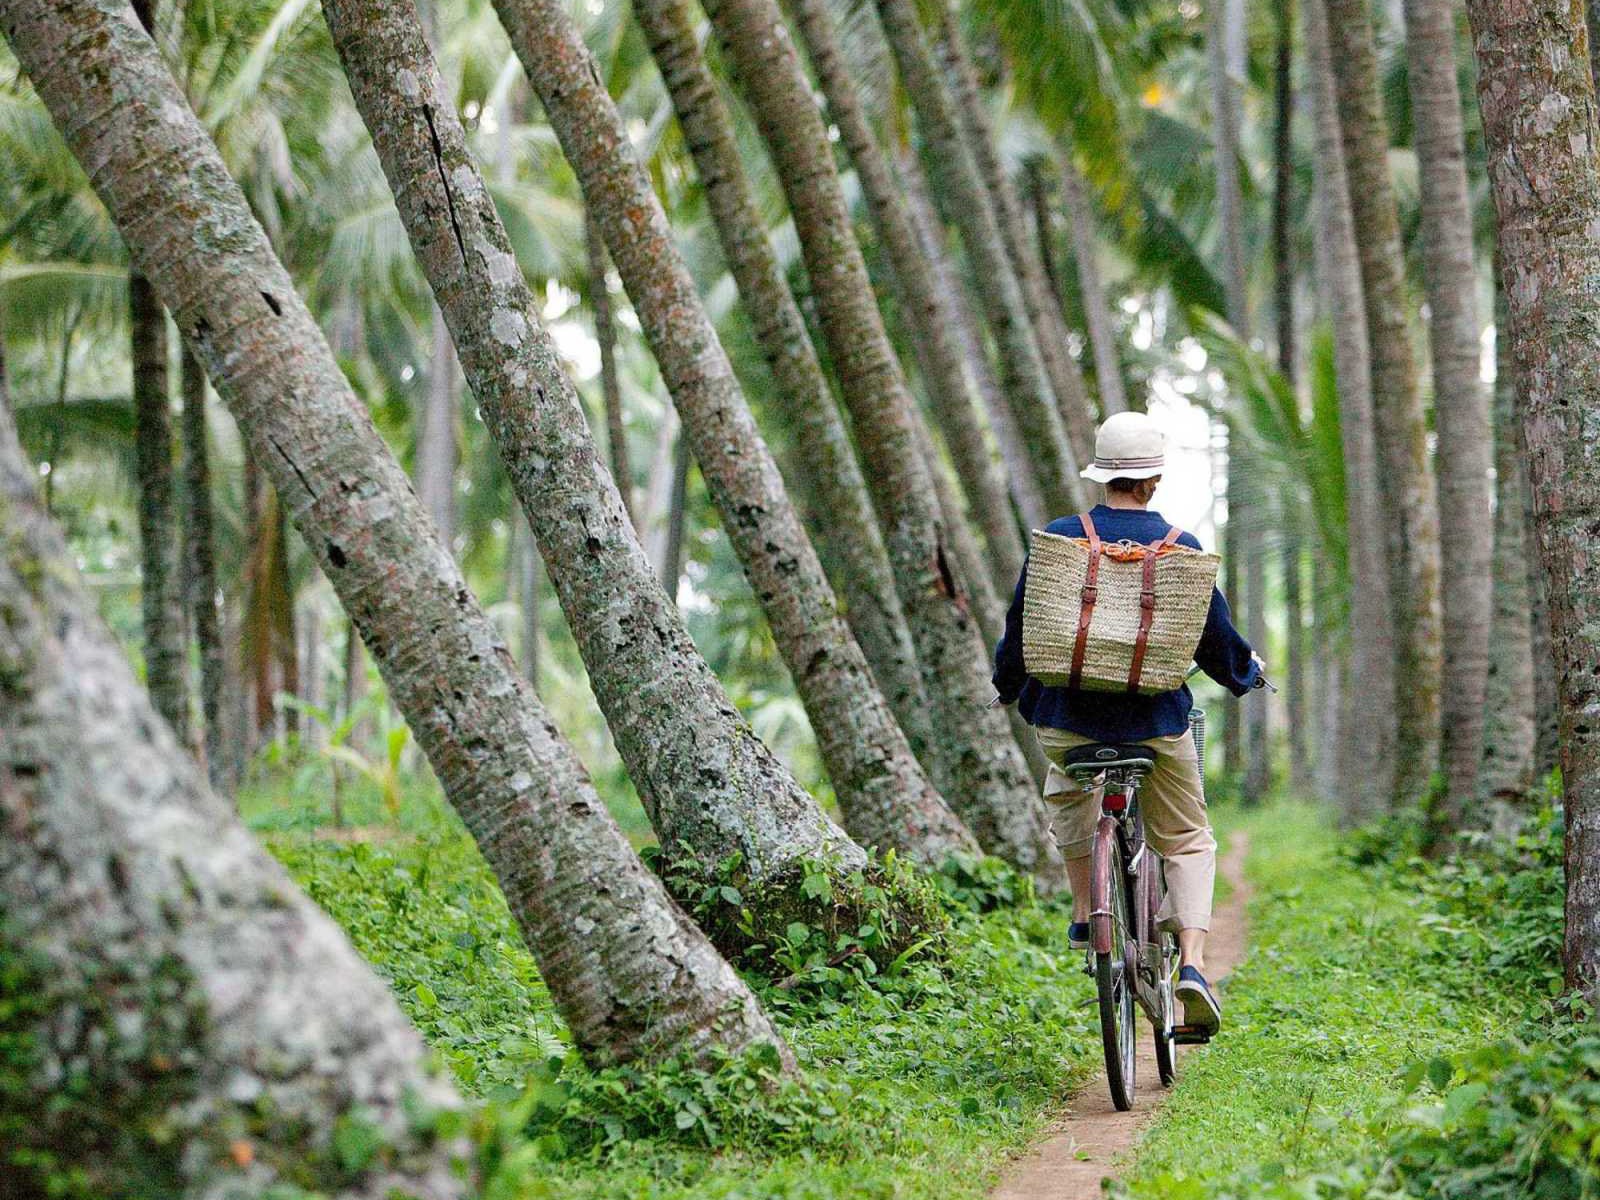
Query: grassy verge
<point>922,1084</point>
<point>1363,983</point>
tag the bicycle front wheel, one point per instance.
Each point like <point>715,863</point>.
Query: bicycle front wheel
<point>1113,966</point>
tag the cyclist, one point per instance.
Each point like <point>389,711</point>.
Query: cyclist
<point>1130,454</point>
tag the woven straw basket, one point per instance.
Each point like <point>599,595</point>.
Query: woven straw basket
<point>1057,569</point>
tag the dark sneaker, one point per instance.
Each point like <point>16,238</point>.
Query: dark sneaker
<point>1200,1007</point>
<point>1078,937</point>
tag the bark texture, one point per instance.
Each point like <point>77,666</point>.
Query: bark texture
<point>923,308</point>
<point>1407,476</point>
<point>969,207</point>
<point>629,973</point>
<point>201,556</point>
<point>1537,98</point>
<point>989,783</point>
<point>1460,401</point>
<point>1366,747</point>
<point>874,773</point>
<point>605,332</point>
<point>160,584</point>
<point>1508,731</point>
<point>822,462</point>
<point>169,982</point>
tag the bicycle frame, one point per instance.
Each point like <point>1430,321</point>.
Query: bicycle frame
<point>1120,824</point>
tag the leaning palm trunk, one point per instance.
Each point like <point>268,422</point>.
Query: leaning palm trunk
<point>1461,406</point>
<point>1366,746</point>
<point>160,584</point>
<point>201,551</point>
<point>1044,312</point>
<point>968,207</point>
<point>1021,474</point>
<point>1096,309</point>
<point>435,466</point>
<point>991,789</point>
<point>925,310</point>
<point>1508,730</point>
<point>628,972</point>
<point>866,753</point>
<point>822,463</point>
<point>1538,103</point>
<point>170,983</point>
<point>1412,527</point>
<point>605,333</point>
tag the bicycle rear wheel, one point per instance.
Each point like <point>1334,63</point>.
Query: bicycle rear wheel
<point>1152,890</point>
<point>1114,968</point>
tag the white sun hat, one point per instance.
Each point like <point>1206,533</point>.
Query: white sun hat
<point>1128,445</point>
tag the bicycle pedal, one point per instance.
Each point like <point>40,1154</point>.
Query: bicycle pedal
<point>1190,1035</point>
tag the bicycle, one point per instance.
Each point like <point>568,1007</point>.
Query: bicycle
<point>1131,957</point>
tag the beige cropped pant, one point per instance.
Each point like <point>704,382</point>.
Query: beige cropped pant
<point>1176,824</point>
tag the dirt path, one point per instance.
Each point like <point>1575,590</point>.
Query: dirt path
<point>1085,1140</point>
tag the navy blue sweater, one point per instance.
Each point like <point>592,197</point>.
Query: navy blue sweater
<point>1116,716</point>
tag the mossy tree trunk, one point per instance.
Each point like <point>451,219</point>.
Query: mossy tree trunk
<point>822,462</point>
<point>166,980</point>
<point>1537,98</point>
<point>989,784</point>
<point>769,819</point>
<point>628,972</point>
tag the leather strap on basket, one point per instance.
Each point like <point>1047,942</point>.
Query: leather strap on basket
<point>1147,606</point>
<point>1091,593</point>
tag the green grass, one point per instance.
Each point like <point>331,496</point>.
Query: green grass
<point>1343,989</point>
<point>921,1085</point>
<point>1371,1017</point>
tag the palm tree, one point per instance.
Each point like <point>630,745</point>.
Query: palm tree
<point>1247,739</point>
<point>968,206</point>
<point>822,463</point>
<point>925,311</point>
<point>1412,532</point>
<point>1020,467</point>
<point>1066,380</point>
<point>629,973</point>
<point>201,573</point>
<point>160,589</point>
<point>1096,311</point>
<point>1367,744</point>
<point>1460,404</point>
<point>159,582</point>
<point>1508,729</point>
<point>990,787</point>
<point>866,753</point>
<point>605,332</point>
<point>156,910</point>
<point>1549,256</point>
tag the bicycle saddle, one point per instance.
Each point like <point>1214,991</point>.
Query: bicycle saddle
<point>1101,755</point>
